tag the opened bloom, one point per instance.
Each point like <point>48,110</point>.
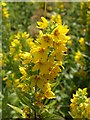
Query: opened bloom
<point>42,24</point>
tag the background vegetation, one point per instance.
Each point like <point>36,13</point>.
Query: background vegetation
<point>23,16</point>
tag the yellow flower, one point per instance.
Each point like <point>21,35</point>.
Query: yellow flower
<point>15,48</point>
<point>59,45</point>
<point>54,72</point>
<point>16,83</point>
<point>5,12</point>
<point>56,18</point>
<point>82,43</point>
<point>12,50</point>
<point>43,24</point>
<point>30,42</point>
<point>84,91</point>
<point>49,94</point>
<point>44,85</point>
<point>3,4</point>
<point>16,57</point>
<point>69,42</point>
<point>59,32</point>
<point>23,72</point>
<point>45,40</point>
<point>39,53</point>
<point>45,55</point>
<point>26,57</point>
<point>23,87</point>
<point>79,104</point>
<point>25,35</point>
<point>17,36</point>
<point>15,42</point>
<point>78,56</point>
<point>5,78</point>
<point>4,9</point>
<point>42,66</point>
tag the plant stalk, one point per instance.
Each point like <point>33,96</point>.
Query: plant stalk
<point>35,112</point>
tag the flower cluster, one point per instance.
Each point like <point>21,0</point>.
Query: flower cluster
<point>80,104</point>
<point>40,60</point>
<point>4,10</point>
<point>20,45</point>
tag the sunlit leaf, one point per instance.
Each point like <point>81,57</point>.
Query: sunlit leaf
<point>17,110</point>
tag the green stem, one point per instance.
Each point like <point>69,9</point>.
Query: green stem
<point>45,10</point>
<point>35,112</point>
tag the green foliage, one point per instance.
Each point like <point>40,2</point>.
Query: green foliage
<point>17,110</point>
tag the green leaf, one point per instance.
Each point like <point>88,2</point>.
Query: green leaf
<point>17,110</point>
<point>71,114</point>
<point>25,100</point>
<point>48,116</point>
